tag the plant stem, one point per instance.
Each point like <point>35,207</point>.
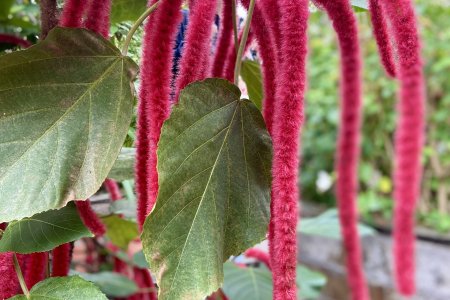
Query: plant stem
<point>235,26</point>
<point>136,26</point>
<point>23,285</point>
<point>248,21</point>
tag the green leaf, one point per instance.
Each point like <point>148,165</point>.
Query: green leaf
<point>123,168</point>
<point>247,283</point>
<point>251,74</point>
<point>127,10</point>
<point>5,8</point>
<point>44,231</point>
<point>112,284</point>
<point>62,288</point>
<point>309,283</point>
<point>66,104</point>
<point>327,225</point>
<point>124,207</point>
<point>360,5</point>
<point>214,161</point>
<point>121,232</point>
<point>139,260</point>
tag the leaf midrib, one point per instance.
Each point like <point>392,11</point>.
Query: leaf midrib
<point>203,195</point>
<point>94,84</point>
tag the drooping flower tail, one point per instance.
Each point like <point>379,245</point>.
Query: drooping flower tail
<point>197,44</point>
<point>382,36</point>
<point>144,280</point>
<point>14,40</point>
<point>113,189</point>
<point>288,120</point>
<point>36,266</point>
<point>409,138</point>
<point>90,218</point>
<point>61,257</point>
<point>73,12</point>
<point>9,284</point>
<point>49,18</point>
<point>97,17</point>
<point>154,99</point>
<point>259,255</point>
<point>348,149</point>
<point>224,40</point>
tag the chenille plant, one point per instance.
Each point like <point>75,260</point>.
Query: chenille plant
<point>214,175</point>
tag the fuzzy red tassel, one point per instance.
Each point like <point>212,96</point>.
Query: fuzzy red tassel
<point>224,40</point>
<point>9,284</point>
<point>259,255</point>
<point>348,149</point>
<point>154,99</point>
<point>267,51</point>
<point>90,218</point>
<point>62,255</point>
<point>73,13</point>
<point>230,62</point>
<point>382,36</point>
<point>113,189</point>
<point>14,40</point>
<point>97,18</point>
<point>409,138</point>
<point>197,44</point>
<point>287,123</point>
<point>144,280</point>
<point>36,266</point>
<point>217,295</point>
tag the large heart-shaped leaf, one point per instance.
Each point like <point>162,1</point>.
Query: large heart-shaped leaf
<point>214,161</point>
<point>62,288</point>
<point>65,105</point>
<point>112,284</point>
<point>44,231</point>
<point>247,283</point>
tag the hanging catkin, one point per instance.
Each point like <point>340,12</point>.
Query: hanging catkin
<point>61,257</point>
<point>348,149</point>
<point>73,12</point>
<point>36,265</point>
<point>90,218</point>
<point>154,99</point>
<point>409,137</point>
<point>382,36</point>
<point>224,40</point>
<point>97,17</point>
<point>9,284</point>
<point>288,120</point>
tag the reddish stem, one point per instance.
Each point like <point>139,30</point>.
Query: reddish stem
<point>73,13</point>
<point>90,218</point>
<point>409,138</point>
<point>49,16</point>
<point>287,123</point>
<point>382,36</point>
<point>62,255</point>
<point>154,99</point>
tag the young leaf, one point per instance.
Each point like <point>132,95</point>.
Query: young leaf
<point>121,232</point>
<point>214,161</point>
<point>251,74</point>
<point>61,288</point>
<point>66,104</point>
<point>247,283</point>
<point>44,231</point>
<point>112,284</point>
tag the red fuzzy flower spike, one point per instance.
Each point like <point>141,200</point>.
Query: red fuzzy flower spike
<point>230,62</point>
<point>225,38</point>
<point>97,18</point>
<point>259,255</point>
<point>287,122</point>
<point>90,218</point>
<point>14,40</point>
<point>197,45</point>
<point>62,255</point>
<point>267,50</point>
<point>144,280</point>
<point>409,137</point>
<point>154,99</point>
<point>113,189</point>
<point>36,265</point>
<point>73,13</point>
<point>382,36</point>
<point>345,25</point>
<point>9,284</point>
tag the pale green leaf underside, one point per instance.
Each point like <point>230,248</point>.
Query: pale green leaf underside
<point>247,283</point>
<point>112,284</point>
<point>64,288</point>
<point>251,74</point>
<point>44,231</point>
<point>123,168</point>
<point>65,105</point>
<point>214,161</point>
